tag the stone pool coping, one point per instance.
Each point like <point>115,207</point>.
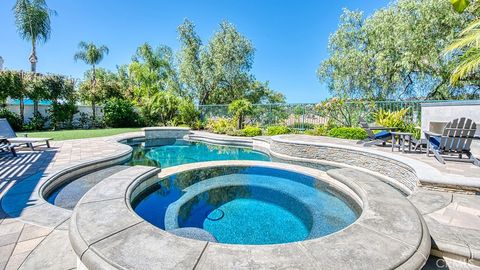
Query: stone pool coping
<point>25,201</point>
<point>106,233</point>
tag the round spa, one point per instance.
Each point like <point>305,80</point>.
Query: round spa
<point>246,215</point>
<point>249,205</point>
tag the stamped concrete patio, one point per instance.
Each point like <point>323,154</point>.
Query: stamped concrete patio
<point>453,218</point>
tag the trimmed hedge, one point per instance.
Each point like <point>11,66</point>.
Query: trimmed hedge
<point>352,133</point>
<point>278,130</point>
<point>251,131</point>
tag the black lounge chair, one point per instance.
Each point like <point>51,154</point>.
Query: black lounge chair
<point>6,146</point>
<point>7,132</point>
<point>454,142</point>
<point>376,138</point>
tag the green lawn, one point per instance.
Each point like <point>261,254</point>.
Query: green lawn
<point>78,133</point>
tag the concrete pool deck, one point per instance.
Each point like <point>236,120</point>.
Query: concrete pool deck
<point>453,218</point>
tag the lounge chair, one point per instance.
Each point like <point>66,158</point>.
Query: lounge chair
<point>376,138</point>
<point>454,142</point>
<point>7,132</point>
<point>6,146</point>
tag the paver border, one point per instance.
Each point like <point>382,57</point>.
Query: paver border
<point>404,233</point>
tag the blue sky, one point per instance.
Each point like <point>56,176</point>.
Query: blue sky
<point>290,37</point>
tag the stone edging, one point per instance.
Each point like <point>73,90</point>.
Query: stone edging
<point>407,173</point>
<point>25,200</point>
<point>106,234</point>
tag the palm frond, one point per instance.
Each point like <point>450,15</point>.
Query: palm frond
<point>90,53</point>
<point>32,18</point>
<point>469,64</point>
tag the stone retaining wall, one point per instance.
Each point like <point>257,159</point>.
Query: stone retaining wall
<point>402,173</point>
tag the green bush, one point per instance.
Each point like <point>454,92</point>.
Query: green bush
<point>300,125</point>
<point>278,130</point>
<point>61,114</point>
<point>352,133</point>
<point>120,113</point>
<point>391,118</point>
<point>240,108</point>
<point>252,131</point>
<point>188,114</point>
<point>14,119</point>
<point>318,131</point>
<point>35,123</point>
<point>220,126</point>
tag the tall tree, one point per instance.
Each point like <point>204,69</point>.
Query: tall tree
<point>153,70</point>
<point>220,71</point>
<point>32,18</point>
<point>394,54</point>
<point>92,55</point>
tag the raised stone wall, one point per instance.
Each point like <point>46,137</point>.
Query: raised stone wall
<point>398,171</point>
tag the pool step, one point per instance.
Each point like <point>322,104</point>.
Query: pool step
<point>68,195</point>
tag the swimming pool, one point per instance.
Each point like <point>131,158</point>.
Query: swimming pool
<point>245,205</point>
<point>184,152</point>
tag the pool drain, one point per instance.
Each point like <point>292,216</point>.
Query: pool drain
<point>216,215</point>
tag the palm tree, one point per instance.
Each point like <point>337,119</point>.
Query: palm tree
<point>468,42</point>
<point>92,55</point>
<point>32,18</point>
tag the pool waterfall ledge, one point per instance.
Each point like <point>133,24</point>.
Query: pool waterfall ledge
<point>106,233</point>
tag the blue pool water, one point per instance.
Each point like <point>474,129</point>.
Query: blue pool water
<point>182,152</point>
<point>245,205</point>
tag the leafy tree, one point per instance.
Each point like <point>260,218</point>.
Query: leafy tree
<point>395,53</point>
<point>92,55</point>
<point>12,85</point>
<point>240,109</point>
<point>152,70</point>
<point>106,86</point>
<point>219,72</point>
<point>37,89</point>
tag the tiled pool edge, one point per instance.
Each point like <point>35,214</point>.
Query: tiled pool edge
<point>115,244</point>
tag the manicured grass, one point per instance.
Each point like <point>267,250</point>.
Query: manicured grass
<point>78,133</point>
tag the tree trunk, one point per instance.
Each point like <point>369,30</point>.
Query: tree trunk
<point>22,105</point>
<point>240,121</point>
<point>35,107</point>
<point>94,114</point>
<point>22,110</point>
<point>94,86</point>
<point>33,68</point>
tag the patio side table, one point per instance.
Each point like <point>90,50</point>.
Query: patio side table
<point>402,138</point>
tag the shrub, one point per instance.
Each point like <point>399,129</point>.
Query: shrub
<point>240,108</point>
<point>300,125</point>
<point>391,118</point>
<point>188,114</point>
<point>120,113</point>
<point>37,122</point>
<point>220,125</point>
<point>352,133</point>
<point>84,121</point>
<point>14,119</point>
<point>252,131</point>
<point>160,108</point>
<point>318,131</point>
<point>278,130</point>
<point>61,114</point>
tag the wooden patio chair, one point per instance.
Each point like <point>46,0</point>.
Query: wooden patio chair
<point>454,142</point>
